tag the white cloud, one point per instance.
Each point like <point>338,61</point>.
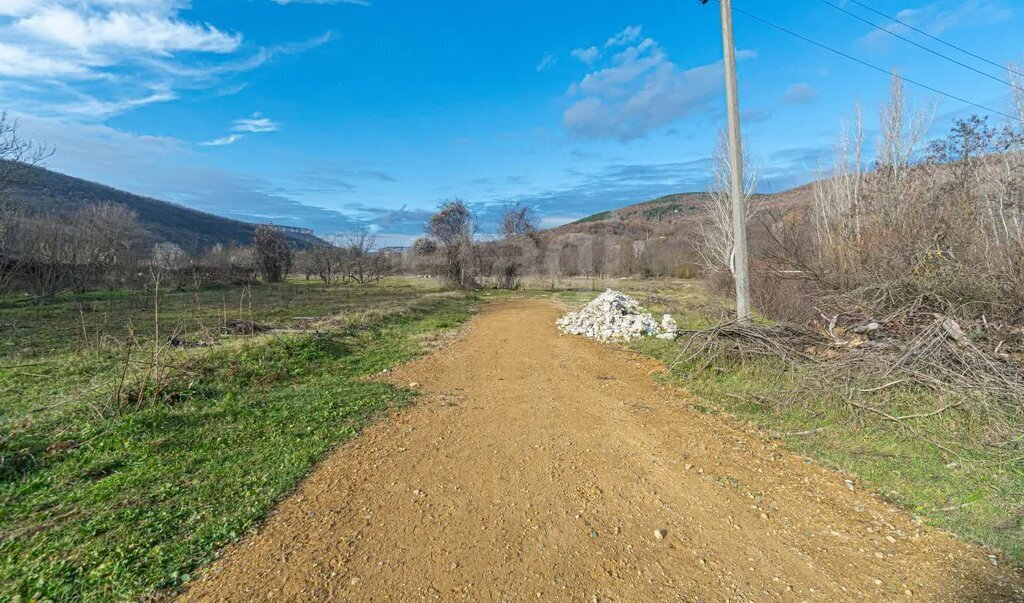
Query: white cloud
<point>547,62</point>
<point>19,62</point>
<point>939,17</point>
<point>587,55</point>
<point>92,107</point>
<point>626,36</point>
<point>222,141</point>
<point>155,32</point>
<point>15,8</point>
<point>626,67</point>
<point>255,124</point>
<point>639,91</point>
<point>92,59</point>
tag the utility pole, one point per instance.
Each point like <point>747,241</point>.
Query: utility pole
<point>740,262</point>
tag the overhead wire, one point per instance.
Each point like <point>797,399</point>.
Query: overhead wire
<point>876,67</point>
<point>921,46</point>
<point>933,37</point>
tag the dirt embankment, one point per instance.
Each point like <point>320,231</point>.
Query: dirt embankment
<point>540,466</point>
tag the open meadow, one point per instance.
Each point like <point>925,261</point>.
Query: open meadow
<point>127,466</point>
<point>124,465</point>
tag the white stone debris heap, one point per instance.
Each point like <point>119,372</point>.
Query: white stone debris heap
<point>615,315</point>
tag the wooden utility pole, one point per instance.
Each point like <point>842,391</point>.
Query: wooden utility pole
<point>740,263</point>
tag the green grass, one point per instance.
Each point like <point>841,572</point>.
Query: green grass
<point>941,469</point>
<point>604,215</point>
<point>103,503</point>
<point>76,322</point>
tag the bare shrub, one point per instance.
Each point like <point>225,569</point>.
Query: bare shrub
<point>273,256</point>
<point>789,300</point>
<point>229,265</point>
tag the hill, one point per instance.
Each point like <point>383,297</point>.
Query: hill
<point>661,237</point>
<point>671,212</point>
<point>44,191</point>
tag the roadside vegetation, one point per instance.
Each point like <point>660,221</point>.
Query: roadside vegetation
<point>943,467</point>
<point>139,433</point>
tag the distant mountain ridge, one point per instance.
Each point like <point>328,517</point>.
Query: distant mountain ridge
<point>673,211</point>
<point>45,191</point>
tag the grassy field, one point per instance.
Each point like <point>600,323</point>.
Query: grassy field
<point>120,473</point>
<point>937,467</point>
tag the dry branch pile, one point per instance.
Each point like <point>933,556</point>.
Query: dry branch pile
<point>965,366</point>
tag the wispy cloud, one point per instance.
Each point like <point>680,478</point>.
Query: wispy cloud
<point>255,124</point>
<point>92,59</point>
<point>222,141</point>
<point>547,61</point>
<point>638,91</point>
<point>587,55</point>
<point>158,31</point>
<point>20,62</point>
<point>626,36</point>
<point>940,17</point>
<point>91,107</point>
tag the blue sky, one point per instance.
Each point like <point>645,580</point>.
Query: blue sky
<point>332,114</point>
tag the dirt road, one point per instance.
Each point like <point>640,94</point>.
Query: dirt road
<point>540,466</point>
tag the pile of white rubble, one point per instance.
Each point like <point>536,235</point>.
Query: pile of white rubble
<point>614,315</point>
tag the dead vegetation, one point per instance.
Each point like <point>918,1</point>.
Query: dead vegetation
<point>900,287</point>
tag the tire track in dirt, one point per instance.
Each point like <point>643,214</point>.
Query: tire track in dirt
<point>541,466</point>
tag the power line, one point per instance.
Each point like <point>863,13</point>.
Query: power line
<point>876,67</point>
<point>936,38</point>
<point>921,46</point>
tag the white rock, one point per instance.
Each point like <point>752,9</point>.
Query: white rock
<point>614,315</point>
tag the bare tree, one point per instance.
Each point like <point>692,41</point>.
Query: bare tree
<point>425,256</point>
<point>232,264</point>
<point>325,262</point>
<point>717,231</point>
<point>452,228</point>
<point>518,227</point>
<point>903,129</point>
<point>598,257</point>
<point>569,260</point>
<point>273,255</point>
<point>168,257</point>
<point>16,151</point>
<point>10,220</point>
<point>108,243</point>
<point>839,202</point>
<point>47,254</point>
<point>358,246</point>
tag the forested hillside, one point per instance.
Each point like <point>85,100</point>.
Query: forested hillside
<point>39,190</point>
